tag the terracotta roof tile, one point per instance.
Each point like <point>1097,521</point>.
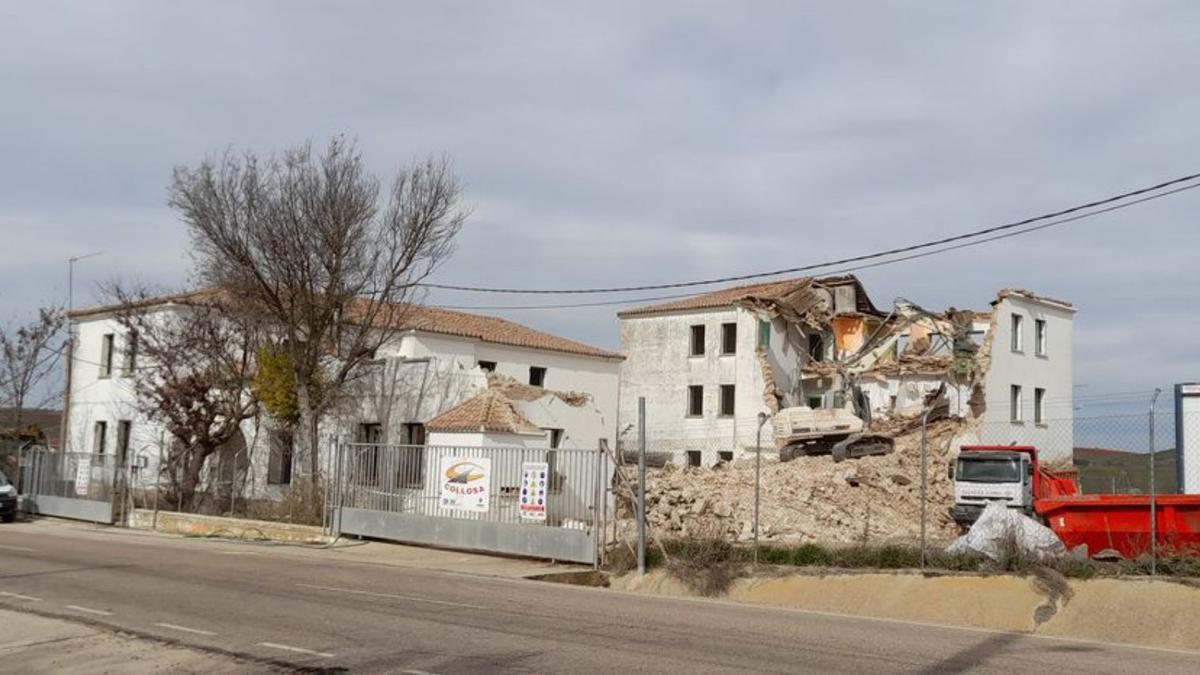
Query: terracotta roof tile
<point>495,330</point>
<point>724,297</point>
<point>422,318</point>
<point>727,297</point>
<point>489,411</point>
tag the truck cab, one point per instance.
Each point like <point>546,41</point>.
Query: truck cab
<point>985,474</point>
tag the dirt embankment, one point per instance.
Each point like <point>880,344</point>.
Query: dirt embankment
<point>867,500</point>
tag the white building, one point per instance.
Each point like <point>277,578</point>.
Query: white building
<point>708,365</point>
<point>1030,385</point>
<point>442,359</point>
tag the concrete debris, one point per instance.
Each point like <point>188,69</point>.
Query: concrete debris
<point>812,499</point>
<point>515,390</point>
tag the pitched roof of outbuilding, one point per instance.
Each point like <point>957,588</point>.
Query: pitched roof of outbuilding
<point>489,411</point>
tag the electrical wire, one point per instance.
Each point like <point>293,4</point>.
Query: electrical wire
<point>859,258</point>
<point>846,270</point>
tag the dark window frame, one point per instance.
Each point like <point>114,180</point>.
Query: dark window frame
<point>106,355</point>
<point>729,338</point>
<point>728,396</point>
<point>537,376</point>
<point>695,399</point>
<point>696,339</point>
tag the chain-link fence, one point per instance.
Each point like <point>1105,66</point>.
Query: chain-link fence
<point>698,483</point>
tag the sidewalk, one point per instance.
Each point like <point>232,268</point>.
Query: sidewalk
<point>34,644</point>
<point>345,550</point>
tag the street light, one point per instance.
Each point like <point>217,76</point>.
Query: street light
<point>63,430</point>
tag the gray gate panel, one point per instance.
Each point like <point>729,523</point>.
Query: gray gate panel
<point>67,507</point>
<point>537,541</point>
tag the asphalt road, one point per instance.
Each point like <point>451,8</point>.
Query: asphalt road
<point>309,611</point>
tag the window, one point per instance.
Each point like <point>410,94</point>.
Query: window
<point>695,401</point>
<point>764,333</point>
<point>1014,403</point>
<point>694,459</point>
<point>488,366</point>
<point>1039,337</point>
<point>727,400</point>
<point>414,434</point>
<point>537,376</point>
<point>100,438</point>
<point>815,401</point>
<point>365,468</point>
<point>130,361</point>
<point>729,338</point>
<point>725,455</point>
<point>1018,330</point>
<point>123,429</point>
<point>556,436</point>
<point>556,478</point>
<point>696,346</point>
<point>1039,405</point>
<point>369,432</point>
<point>816,347</point>
<point>106,354</point>
<point>279,461</point>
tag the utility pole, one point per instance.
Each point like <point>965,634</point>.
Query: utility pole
<point>1153,492</point>
<point>641,500</point>
<point>762,419</point>
<point>66,415</point>
<point>924,475</point>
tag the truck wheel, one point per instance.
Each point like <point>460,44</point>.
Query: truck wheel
<point>9,517</point>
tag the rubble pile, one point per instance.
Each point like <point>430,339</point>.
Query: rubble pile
<point>873,500</point>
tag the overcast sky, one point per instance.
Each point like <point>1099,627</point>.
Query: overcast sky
<point>612,143</point>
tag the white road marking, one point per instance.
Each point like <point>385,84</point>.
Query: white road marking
<point>416,672</point>
<point>20,597</point>
<point>392,596</point>
<point>298,650</point>
<point>18,548</point>
<point>185,629</point>
<point>89,610</point>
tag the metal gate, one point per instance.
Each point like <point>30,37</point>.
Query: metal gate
<point>535,502</point>
<point>75,485</point>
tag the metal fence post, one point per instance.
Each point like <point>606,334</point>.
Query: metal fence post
<point>924,476</point>
<point>641,500</point>
<point>1153,492</point>
<point>598,503</point>
<point>762,419</point>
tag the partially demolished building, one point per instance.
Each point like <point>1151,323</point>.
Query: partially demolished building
<point>824,363</point>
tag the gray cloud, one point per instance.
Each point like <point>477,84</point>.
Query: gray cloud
<point>604,145</point>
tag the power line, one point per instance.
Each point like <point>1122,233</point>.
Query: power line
<point>847,270</point>
<point>858,258</point>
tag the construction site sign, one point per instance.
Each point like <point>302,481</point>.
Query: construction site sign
<point>534,478</point>
<point>466,483</point>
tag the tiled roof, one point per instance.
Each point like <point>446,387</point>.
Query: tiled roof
<point>495,330</point>
<point>725,297</point>
<point>490,411</point>
<point>423,318</point>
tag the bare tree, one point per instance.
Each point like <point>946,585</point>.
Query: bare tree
<point>29,353</point>
<point>191,364</point>
<point>310,244</point>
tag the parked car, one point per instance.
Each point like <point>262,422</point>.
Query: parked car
<point>8,499</point>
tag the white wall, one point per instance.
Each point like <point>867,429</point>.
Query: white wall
<point>659,367</point>
<point>421,375</point>
<point>1052,371</point>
